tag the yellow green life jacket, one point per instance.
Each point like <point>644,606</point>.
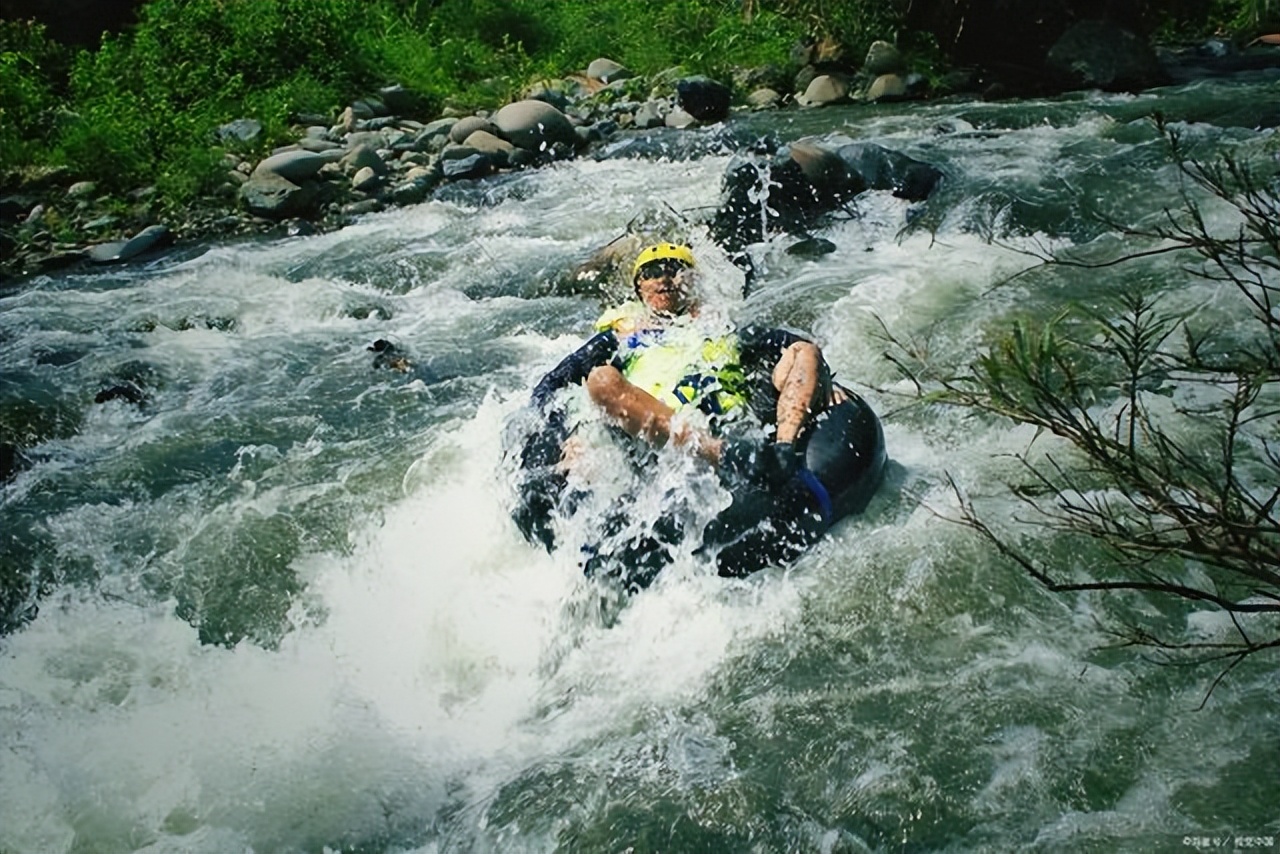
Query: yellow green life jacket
<point>680,363</point>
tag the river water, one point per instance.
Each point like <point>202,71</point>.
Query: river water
<point>284,609</point>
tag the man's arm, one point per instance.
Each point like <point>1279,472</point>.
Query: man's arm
<point>575,367</point>
<point>642,415</point>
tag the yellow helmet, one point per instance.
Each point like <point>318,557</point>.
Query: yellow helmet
<point>658,252</point>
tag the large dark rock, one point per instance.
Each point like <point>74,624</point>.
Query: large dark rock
<point>703,98</point>
<point>1102,55</point>
<point>788,192</point>
<point>883,168</point>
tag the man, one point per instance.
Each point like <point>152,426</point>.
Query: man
<point>660,376</point>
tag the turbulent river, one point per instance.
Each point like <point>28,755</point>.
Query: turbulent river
<point>283,608</point>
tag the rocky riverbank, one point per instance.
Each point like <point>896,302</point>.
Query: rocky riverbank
<point>384,150</point>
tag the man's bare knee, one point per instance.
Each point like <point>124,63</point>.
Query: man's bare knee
<point>801,355</point>
<point>603,382</point>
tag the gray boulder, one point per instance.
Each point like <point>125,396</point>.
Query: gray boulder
<point>317,145</point>
<point>365,180</point>
<point>239,131</point>
<point>679,118</point>
<point>362,157</point>
<point>293,166</point>
<point>274,197</point>
<point>534,125</point>
<point>475,166</point>
<point>151,237</point>
<point>607,71</point>
<point>764,99</point>
<point>464,127</point>
<point>823,90</point>
<point>887,87</point>
<point>485,142</point>
<point>401,101</point>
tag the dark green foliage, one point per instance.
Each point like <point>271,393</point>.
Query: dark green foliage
<point>29,64</point>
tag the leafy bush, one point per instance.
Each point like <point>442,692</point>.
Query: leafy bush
<point>29,63</point>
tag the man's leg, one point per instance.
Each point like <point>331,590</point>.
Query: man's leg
<point>803,385</point>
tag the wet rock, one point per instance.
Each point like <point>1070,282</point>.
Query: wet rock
<point>812,247</point>
<point>150,238</point>
<point>884,169</point>
<point>389,356</point>
<point>12,461</point>
<point>417,184</point>
<point>362,207</point>
<point>788,192</point>
<point>476,165</point>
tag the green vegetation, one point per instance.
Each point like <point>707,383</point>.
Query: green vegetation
<point>143,107</point>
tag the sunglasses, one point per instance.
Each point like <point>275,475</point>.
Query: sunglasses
<point>661,267</point>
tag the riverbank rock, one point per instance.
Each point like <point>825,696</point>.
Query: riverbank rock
<point>151,237</point>
<point>704,99</point>
<point>1100,54</point>
<point>274,197</point>
<point>887,87</point>
<point>604,70</point>
<point>534,126</point>
<point>240,131</point>
<point>823,90</point>
<point>292,166</point>
<point>883,58</point>
<point>467,125</point>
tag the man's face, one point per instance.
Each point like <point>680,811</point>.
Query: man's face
<point>665,286</point>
